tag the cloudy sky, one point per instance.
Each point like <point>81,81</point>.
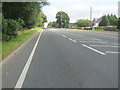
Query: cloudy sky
<point>80,9</point>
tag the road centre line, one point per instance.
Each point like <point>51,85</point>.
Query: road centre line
<point>92,42</point>
<point>93,49</point>
<point>27,65</point>
<point>72,40</point>
<point>111,52</point>
<point>63,35</point>
<point>103,46</point>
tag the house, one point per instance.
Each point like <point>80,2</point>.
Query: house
<point>72,25</point>
<point>96,21</point>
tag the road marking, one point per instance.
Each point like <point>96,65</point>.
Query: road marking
<point>94,49</point>
<point>112,52</point>
<point>116,44</point>
<point>72,40</point>
<point>27,65</point>
<point>104,46</point>
<point>63,35</point>
<point>92,42</point>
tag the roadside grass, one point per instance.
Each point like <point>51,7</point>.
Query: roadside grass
<point>0,50</point>
<point>106,30</point>
<point>10,46</point>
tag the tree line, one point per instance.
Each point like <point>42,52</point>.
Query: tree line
<point>21,15</point>
<point>62,21</point>
<point>109,20</point>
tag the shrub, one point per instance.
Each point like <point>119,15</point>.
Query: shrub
<point>20,23</point>
<point>99,28</point>
<point>110,28</point>
<point>9,29</point>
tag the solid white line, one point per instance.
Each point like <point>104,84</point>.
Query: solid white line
<point>94,49</point>
<point>63,35</point>
<point>27,65</point>
<point>112,52</point>
<point>103,46</point>
<point>72,40</point>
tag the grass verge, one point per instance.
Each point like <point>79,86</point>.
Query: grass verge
<point>10,46</point>
<point>107,31</point>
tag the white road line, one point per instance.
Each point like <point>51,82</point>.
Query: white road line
<point>27,65</point>
<point>63,35</point>
<point>92,42</point>
<point>94,49</point>
<point>116,44</point>
<point>112,52</point>
<point>104,46</point>
<point>72,40</point>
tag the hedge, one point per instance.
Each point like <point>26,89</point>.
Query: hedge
<point>9,29</point>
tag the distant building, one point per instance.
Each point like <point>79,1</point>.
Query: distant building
<point>119,9</point>
<point>72,25</point>
<point>97,21</point>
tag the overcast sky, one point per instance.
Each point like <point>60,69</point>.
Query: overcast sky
<point>80,9</point>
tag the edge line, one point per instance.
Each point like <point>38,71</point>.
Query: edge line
<point>27,65</point>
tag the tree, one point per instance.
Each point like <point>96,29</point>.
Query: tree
<point>52,24</point>
<point>62,19</point>
<point>19,15</point>
<point>83,23</point>
<point>118,24</point>
<point>41,19</point>
<point>28,11</point>
<point>113,19</point>
<point>105,21</point>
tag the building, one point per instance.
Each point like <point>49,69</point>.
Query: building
<point>96,21</point>
<point>72,25</point>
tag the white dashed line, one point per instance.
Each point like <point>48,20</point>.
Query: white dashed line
<point>92,42</point>
<point>104,46</point>
<point>72,40</point>
<point>112,52</point>
<point>63,35</point>
<point>94,49</point>
<point>27,65</point>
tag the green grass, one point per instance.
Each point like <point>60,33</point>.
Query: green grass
<point>9,46</point>
<point>106,30</point>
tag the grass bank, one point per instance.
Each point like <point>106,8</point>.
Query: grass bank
<point>107,31</point>
<point>10,46</point>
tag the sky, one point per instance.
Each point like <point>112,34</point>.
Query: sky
<point>80,9</point>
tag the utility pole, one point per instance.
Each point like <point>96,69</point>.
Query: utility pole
<point>61,20</point>
<point>91,15</point>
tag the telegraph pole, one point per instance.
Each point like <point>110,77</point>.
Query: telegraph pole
<point>91,15</point>
<point>61,20</point>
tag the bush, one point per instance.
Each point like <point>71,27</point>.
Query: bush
<point>20,23</point>
<point>99,28</point>
<point>9,29</point>
<point>83,28</point>
<point>110,28</point>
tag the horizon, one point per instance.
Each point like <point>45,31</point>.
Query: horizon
<point>81,9</point>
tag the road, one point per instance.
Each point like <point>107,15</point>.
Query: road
<point>64,58</point>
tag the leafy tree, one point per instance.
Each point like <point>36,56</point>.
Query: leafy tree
<point>118,24</point>
<point>28,11</point>
<point>41,19</point>
<point>83,23</point>
<point>113,19</point>
<point>105,21</point>
<point>53,24</point>
<point>62,19</point>
<point>19,15</point>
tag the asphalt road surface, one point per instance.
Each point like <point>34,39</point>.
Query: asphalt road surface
<point>64,58</point>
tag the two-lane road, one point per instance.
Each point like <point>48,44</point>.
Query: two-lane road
<point>63,58</point>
